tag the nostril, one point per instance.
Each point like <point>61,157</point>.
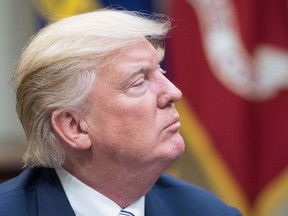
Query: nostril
<point>169,98</point>
<point>170,103</point>
<point>164,101</point>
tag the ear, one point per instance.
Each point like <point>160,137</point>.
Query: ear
<point>71,128</point>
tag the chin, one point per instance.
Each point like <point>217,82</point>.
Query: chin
<point>176,149</point>
<point>178,145</point>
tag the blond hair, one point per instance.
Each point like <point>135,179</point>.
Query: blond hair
<point>59,66</point>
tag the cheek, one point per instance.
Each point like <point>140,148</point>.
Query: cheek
<point>137,124</point>
<point>125,120</point>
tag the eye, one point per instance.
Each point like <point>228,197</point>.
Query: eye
<point>138,83</point>
<point>138,88</point>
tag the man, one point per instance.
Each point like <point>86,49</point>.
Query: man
<point>101,125</point>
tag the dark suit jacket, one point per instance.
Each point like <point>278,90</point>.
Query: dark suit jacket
<point>38,191</point>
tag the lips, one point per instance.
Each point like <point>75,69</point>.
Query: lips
<point>174,124</point>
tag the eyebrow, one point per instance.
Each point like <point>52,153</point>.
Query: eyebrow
<point>141,67</point>
<point>134,71</point>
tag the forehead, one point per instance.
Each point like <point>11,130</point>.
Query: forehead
<point>131,59</point>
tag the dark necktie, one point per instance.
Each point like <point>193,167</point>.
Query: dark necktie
<point>125,213</point>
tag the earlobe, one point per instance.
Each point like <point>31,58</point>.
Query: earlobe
<point>71,129</point>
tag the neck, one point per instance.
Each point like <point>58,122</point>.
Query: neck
<point>121,184</point>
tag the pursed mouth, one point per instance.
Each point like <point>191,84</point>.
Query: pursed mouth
<point>174,124</point>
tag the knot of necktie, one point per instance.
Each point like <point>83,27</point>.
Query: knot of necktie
<point>125,213</point>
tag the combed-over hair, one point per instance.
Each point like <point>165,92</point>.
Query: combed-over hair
<point>57,70</point>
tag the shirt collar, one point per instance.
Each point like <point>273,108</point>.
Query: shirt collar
<point>86,201</point>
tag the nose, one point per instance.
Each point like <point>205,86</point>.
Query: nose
<point>169,93</point>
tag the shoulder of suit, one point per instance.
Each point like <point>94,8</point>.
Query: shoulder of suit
<point>188,195</point>
<point>24,181</point>
<point>167,180</point>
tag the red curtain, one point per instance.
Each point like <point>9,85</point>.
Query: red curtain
<point>230,59</point>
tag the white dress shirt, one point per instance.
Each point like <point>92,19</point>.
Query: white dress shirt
<point>86,201</point>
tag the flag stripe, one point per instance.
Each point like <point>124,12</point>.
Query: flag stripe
<point>221,179</point>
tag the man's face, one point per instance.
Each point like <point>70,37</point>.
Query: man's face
<point>133,119</point>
